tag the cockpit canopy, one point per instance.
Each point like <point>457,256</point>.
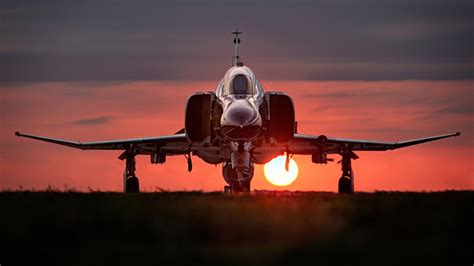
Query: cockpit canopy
<point>239,81</point>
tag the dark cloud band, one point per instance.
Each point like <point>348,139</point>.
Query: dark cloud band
<point>169,40</point>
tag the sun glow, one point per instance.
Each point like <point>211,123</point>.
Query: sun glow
<point>276,174</point>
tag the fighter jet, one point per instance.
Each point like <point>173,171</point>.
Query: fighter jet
<point>239,125</point>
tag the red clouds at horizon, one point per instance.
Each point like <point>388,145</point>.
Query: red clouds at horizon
<point>380,110</point>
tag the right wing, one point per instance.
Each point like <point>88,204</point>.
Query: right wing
<point>170,144</point>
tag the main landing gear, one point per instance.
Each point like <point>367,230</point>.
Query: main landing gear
<point>130,180</point>
<point>346,182</point>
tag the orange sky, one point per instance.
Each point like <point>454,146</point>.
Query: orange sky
<point>380,110</point>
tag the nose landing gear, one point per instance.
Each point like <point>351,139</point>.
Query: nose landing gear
<point>238,172</point>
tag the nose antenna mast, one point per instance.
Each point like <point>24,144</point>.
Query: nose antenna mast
<point>236,60</point>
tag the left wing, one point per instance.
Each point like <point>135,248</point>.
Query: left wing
<point>171,144</point>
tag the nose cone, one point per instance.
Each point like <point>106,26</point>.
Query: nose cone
<point>240,114</point>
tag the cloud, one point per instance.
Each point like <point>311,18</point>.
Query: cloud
<point>417,30</point>
<point>101,120</point>
<point>465,107</point>
<point>187,40</point>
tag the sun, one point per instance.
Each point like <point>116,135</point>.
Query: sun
<point>276,174</point>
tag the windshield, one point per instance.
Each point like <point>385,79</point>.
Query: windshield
<point>240,85</point>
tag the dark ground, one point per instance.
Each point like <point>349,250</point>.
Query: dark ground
<point>265,228</point>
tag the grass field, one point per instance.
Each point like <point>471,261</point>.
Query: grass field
<point>264,228</point>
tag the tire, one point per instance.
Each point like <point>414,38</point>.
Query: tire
<point>240,187</point>
<point>345,185</point>
<point>132,185</point>
<point>245,187</point>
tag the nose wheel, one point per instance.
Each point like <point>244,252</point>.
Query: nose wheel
<point>238,187</point>
<point>238,180</point>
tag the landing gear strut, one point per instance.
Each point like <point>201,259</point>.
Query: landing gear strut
<point>346,182</point>
<point>130,180</point>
